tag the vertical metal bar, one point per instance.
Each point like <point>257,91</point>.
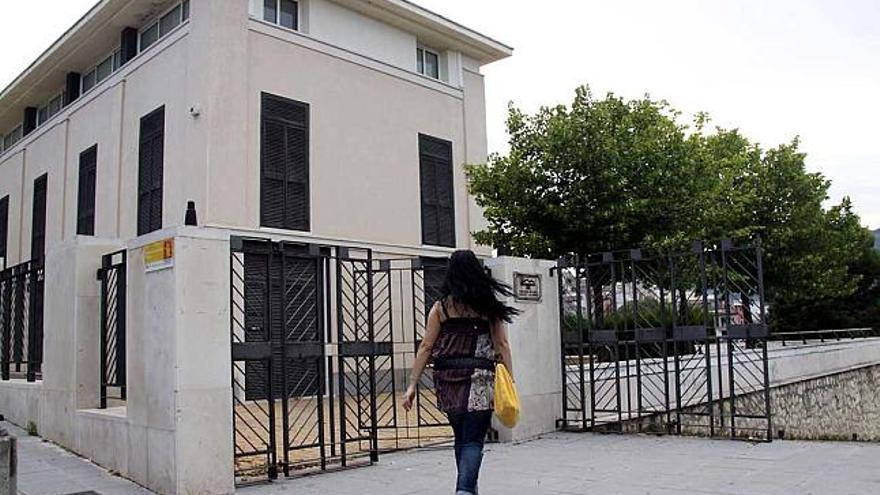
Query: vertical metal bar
<point>617,344</point>
<point>580,346</point>
<point>704,286</point>
<point>280,250</point>
<point>638,345</point>
<point>269,362</point>
<point>560,296</point>
<point>18,318</point>
<point>6,319</point>
<point>102,276</point>
<point>32,325</point>
<point>321,334</point>
<point>371,329</point>
<point>340,337</point>
<point>730,344</point>
<point>121,314</point>
<point>674,315</point>
<point>331,392</point>
<point>592,350</point>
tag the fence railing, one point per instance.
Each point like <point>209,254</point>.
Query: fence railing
<point>824,336</point>
<point>21,321</point>
<point>112,276</point>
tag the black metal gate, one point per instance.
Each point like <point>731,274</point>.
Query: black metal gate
<point>319,351</point>
<point>112,276</point>
<point>22,290</point>
<point>671,342</point>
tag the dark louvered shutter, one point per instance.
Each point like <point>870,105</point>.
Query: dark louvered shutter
<point>434,273</point>
<point>284,164</point>
<point>281,290</point>
<point>38,223</point>
<point>85,212</point>
<point>151,172</point>
<point>437,191</point>
<point>4,229</point>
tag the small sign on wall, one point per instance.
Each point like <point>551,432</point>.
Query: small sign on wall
<point>527,287</point>
<point>159,255</point>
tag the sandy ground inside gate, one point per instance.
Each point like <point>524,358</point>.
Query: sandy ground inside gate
<point>397,430</point>
<point>617,464</point>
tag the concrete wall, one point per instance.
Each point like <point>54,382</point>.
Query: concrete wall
<point>534,338</point>
<point>178,366</point>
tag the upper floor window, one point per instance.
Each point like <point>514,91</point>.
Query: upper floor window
<point>49,110</point>
<point>164,24</point>
<point>285,13</point>
<point>428,62</point>
<point>13,137</point>
<point>105,68</point>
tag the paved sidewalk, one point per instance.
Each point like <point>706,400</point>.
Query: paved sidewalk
<point>560,464</point>
<point>568,464</point>
<point>45,469</point>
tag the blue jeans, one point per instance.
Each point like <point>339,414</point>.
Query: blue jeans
<point>470,436</point>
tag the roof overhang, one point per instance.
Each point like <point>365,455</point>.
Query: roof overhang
<point>80,47</point>
<point>433,28</point>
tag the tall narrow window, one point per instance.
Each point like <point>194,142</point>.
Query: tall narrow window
<point>151,158</point>
<point>284,164</point>
<point>438,198</point>
<point>4,230</point>
<point>38,219</point>
<point>88,171</point>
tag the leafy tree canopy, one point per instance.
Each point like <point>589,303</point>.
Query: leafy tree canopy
<point>610,174</point>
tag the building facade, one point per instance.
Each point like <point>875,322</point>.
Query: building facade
<point>317,122</point>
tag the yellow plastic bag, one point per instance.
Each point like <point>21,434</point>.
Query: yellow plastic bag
<point>506,399</point>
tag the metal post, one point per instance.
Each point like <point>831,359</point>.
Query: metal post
<point>6,319</point>
<point>374,427</point>
<point>320,282</point>
<point>32,325</point>
<point>560,295</point>
<point>121,314</point>
<point>102,276</point>
<point>580,356</point>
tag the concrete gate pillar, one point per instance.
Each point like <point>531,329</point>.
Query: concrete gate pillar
<point>535,339</point>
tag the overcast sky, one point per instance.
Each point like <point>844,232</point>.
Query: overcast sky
<point>775,69</point>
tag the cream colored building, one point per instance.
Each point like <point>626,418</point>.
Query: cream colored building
<point>337,122</point>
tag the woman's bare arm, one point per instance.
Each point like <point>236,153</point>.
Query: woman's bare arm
<point>502,344</point>
<point>432,332</point>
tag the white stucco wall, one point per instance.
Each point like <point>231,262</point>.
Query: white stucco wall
<point>108,116</point>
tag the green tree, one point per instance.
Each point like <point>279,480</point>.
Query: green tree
<point>610,174</point>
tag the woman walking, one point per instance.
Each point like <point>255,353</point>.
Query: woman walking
<point>466,333</point>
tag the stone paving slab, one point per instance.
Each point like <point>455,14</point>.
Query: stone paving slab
<point>568,464</point>
<point>46,469</point>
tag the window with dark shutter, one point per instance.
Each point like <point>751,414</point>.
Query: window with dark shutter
<point>85,211</point>
<point>150,172</point>
<point>284,164</point>
<point>38,222</point>
<point>438,198</point>
<point>4,229</point>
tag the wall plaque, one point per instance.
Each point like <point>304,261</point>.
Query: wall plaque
<point>527,287</point>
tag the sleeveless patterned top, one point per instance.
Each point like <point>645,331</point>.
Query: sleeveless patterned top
<point>464,365</point>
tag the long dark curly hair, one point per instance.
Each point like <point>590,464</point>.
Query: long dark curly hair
<point>467,283</point>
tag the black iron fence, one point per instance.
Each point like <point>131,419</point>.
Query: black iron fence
<point>21,321</point>
<point>112,276</point>
<point>824,336</point>
<point>322,338</point>
<point>675,341</point>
